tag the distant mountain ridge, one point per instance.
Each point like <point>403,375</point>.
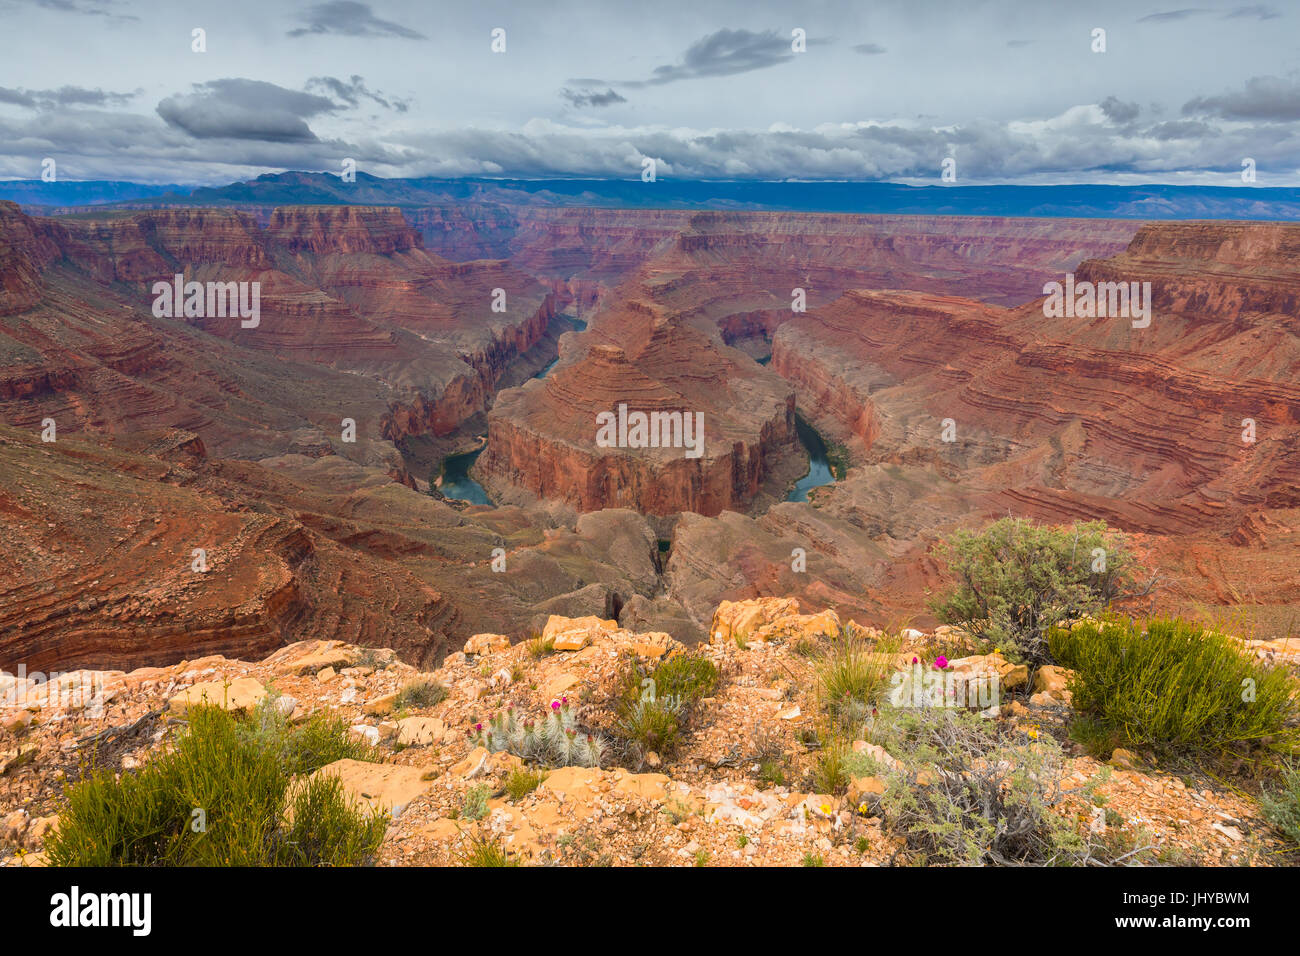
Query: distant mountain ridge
<point>303,188</point>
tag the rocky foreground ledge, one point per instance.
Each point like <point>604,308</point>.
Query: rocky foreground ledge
<point>715,803</point>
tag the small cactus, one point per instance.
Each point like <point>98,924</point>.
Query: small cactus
<point>555,740</point>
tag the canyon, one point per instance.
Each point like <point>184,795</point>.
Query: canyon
<point>297,455</point>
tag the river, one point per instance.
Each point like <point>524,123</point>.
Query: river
<point>456,482</point>
<point>819,467</point>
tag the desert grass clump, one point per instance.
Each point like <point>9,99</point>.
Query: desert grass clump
<point>420,695</point>
<point>225,796</point>
<point>806,647</point>
<point>831,771</point>
<point>483,851</point>
<point>556,740</point>
<point>688,676</point>
<point>1175,687</point>
<point>520,782</point>
<point>654,706</point>
<point>540,647</point>
<point>853,675</point>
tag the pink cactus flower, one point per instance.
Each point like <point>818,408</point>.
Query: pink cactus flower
<point>941,662</point>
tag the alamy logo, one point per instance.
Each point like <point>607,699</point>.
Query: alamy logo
<point>1096,300</point>
<point>213,300</point>
<point>651,430</point>
<point>73,690</point>
<point>73,909</point>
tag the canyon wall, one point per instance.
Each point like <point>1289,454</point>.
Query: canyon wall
<point>184,433</point>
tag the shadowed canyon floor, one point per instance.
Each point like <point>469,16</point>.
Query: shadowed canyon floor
<point>177,435</point>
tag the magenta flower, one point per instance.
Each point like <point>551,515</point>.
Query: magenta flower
<point>941,662</point>
<point>555,705</point>
<point>914,660</point>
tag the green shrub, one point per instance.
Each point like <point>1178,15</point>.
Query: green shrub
<point>687,676</point>
<point>322,739</point>
<point>223,797</point>
<point>326,828</point>
<point>420,695</point>
<point>1015,580</point>
<point>1173,686</point>
<point>1281,806</point>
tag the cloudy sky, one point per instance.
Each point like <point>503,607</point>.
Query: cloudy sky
<point>711,89</point>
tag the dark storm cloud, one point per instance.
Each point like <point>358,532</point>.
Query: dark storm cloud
<point>347,18</point>
<point>581,98</point>
<point>1269,98</point>
<point>89,8</point>
<point>245,109</point>
<point>1062,147</point>
<point>107,145</point>
<point>1181,129</point>
<point>1172,15</point>
<point>1255,11</point>
<point>1118,111</point>
<point>63,96</point>
<point>354,91</point>
<point>869,49</point>
<point>724,53</point>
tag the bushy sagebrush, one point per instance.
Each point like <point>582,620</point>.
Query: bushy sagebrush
<point>555,740</point>
<point>968,791</point>
<point>1281,804</point>
<point>1173,686</point>
<point>1016,580</point>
